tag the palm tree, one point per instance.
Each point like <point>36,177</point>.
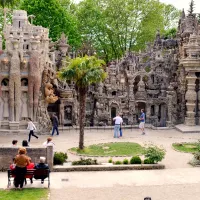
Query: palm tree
<point>83,71</point>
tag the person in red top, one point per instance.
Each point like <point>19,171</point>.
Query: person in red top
<point>12,167</point>
<point>30,166</point>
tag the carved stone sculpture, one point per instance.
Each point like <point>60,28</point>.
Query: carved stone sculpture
<point>15,81</point>
<point>34,79</point>
<point>49,93</point>
<point>24,112</point>
<point>5,106</point>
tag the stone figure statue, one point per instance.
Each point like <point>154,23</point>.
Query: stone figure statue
<point>1,107</point>
<point>100,88</point>
<point>15,81</point>
<point>24,112</point>
<point>49,93</point>
<point>34,78</point>
<point>5,106</point>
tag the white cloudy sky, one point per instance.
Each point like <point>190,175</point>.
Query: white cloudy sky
<point>180,4</point>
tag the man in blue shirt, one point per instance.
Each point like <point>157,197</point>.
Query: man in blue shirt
<point>142,121</point>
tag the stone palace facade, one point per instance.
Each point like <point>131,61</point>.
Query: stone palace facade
<point>164,80</point>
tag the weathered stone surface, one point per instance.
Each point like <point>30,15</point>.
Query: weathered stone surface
<point>164,80</point>
<point>8,153</point>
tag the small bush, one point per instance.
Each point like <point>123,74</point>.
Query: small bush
<point>118,162</point>
<point>110,160</point>
<point>59,158</point>
<point>136,160</point>
<point>125,161</point>
<point>148,161</point>
<point>83,161</point>
<point>154,153</point>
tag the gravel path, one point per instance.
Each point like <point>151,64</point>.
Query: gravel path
<point>179,181</point>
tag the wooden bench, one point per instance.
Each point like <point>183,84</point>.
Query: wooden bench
<point>31,172</point>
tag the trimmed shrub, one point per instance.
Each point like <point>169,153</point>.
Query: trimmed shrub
<point>110,160</point>
<point>148,161</point>
<point>83,161</point>
<point>125,161</point>
<point>154,153</point>
<point>135,160</point>
<point>59,158</point>
<point>118,162</point>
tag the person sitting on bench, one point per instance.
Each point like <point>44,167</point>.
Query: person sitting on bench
<point>21,161</point>
<point>30,166</point>
<point>39,166</point>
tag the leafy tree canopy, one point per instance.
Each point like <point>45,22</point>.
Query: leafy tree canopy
<point>52,15</point>
<point>84,71</point>
<point>117,26</point>
<point>8,3</point>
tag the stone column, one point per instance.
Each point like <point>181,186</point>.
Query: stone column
<point>198,95</point>
<point>49,158</point>
<point>148,113</point>
<point>156,110</point>
<point>1,43</point>
<point>190,98</point>
<point>156,114</point>
<point>131,90</point>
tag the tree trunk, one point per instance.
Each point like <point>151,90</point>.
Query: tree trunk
<point>82,104</point>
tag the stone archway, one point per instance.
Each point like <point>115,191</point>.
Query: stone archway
<point>113,113</point>
<point>67,115</point>
<point>162,115</point>
<point>138,107</point>
<point>5,82</point>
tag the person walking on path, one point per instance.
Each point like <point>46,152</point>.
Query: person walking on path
<point>31,127</point>
<point>142,121</point>
<point>118,122</point>
<point>55,124</point>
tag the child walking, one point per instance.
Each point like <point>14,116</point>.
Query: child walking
<point>31,127</point>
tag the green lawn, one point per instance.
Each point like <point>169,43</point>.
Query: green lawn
<point>186,147</point>
<point>111,149</point>
<point>25,194</point>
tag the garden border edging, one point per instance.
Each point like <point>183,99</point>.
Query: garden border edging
<point>108,168</point>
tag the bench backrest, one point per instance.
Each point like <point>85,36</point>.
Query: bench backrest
<point>37,172</point>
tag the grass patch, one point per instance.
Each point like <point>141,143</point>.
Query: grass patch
<point>111,149</point>
<point>186,147</point>
<point>26,193</point>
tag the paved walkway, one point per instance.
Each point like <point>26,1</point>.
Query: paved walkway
<point>179,181</point>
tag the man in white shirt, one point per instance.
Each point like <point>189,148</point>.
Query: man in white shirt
<point>49,143</point>
<point>118,122</point>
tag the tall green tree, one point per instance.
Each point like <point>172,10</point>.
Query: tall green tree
<point>117,26</point>
<point>52,15</point>
<point>8,3</point>
<point>83,71</point>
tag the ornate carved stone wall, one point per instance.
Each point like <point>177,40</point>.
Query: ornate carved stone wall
<point>22,65</point>
<point>164,80</point>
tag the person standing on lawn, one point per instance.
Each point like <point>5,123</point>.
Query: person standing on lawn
<point>118,122</point>
<point>142,121</point>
